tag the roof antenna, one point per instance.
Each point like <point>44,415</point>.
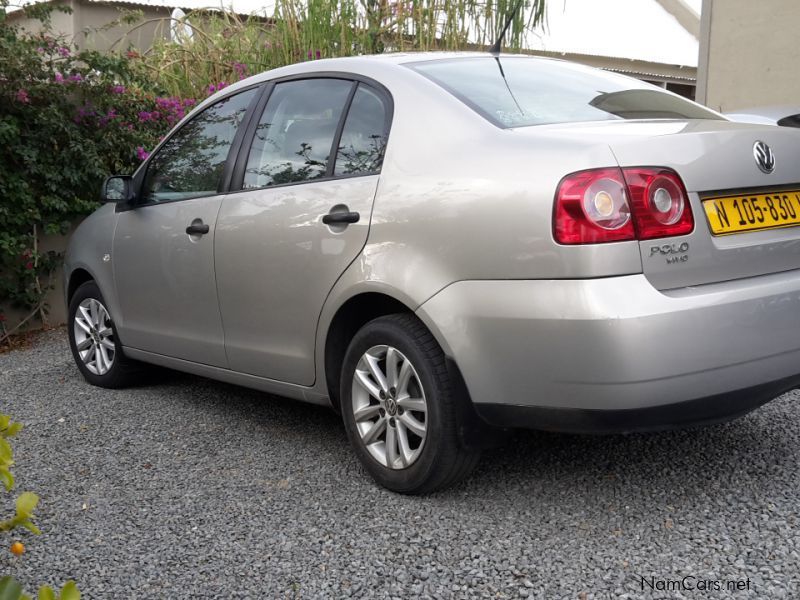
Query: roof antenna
<point>498,45</point>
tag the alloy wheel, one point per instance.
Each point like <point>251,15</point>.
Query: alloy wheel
<point>389,407</point>
<point>94,337</point>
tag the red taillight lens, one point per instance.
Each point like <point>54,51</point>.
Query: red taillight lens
<point>592,207</point>
<point>659,202</point>
<point>612,205</point>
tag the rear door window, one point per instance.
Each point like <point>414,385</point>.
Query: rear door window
<point>294,137</point>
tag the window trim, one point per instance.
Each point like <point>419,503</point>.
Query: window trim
<point>237,179</point>
<point>141,173</point>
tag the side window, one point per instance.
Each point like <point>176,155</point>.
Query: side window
<point>294,137</point>
<point>363,141</point>
<point>191,162</point>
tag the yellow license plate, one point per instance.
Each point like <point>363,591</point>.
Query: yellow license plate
<point>750,212</point>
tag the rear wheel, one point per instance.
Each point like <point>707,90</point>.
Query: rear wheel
<point>399,407</point>
<point>94,342</point>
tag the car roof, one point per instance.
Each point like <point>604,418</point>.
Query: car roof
<point>358,64</point>
<point>400,58</point>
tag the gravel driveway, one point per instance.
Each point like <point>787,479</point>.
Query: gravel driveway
<point>188,488</point>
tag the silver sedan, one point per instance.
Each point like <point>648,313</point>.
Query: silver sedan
<point>443,246</point>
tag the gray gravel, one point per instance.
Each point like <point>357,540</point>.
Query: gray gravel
<point>188,488</point>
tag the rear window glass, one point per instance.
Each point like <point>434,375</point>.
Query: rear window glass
<point>518,92</point>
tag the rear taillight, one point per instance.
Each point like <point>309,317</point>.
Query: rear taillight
<point>659,203</point>
<point>612,205</point>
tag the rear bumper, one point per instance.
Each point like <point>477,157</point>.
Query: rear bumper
<point>700,411</point>
<point>616,354</point>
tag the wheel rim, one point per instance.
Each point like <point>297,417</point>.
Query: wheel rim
<point>389,406</point>
<point>94,338</point>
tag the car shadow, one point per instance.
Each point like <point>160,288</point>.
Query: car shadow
<point>683,465</point>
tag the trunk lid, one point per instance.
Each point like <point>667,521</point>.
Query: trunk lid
<point>714,159</point>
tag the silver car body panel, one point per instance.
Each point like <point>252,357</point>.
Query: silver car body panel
<point>291,260</point>
<point>616,343</point>
<point>165,281</point>
<point>460,231</point>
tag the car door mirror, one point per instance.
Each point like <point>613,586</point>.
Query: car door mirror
<point>117,188</point>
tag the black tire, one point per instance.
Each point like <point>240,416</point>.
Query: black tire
<point>123,371</point>
<point>443,460</point>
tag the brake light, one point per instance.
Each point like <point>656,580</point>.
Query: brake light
<point>613,204</point>
<point>592,207</point>
<point>659,202</point>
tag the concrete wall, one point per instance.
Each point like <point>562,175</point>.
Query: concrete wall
<point>62,23</point>
<point>749,53</point>
<point>88,24</point>
<point>90,18</point>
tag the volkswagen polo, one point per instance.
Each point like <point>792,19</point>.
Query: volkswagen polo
<point>439,246</point>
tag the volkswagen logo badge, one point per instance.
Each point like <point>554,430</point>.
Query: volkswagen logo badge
<point>764,157</point>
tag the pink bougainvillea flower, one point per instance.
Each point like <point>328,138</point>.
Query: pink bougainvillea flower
<point>59,78</point>
<point>76,78</point>
<point>141,153</point>
<point>241,70</point>
<point>318,54</point>
<point>22,97</point>
<point>29,265</point>
<point>212,88</point>
<point>118,89</point>
<point>40,50</point>
<point>63,51</point>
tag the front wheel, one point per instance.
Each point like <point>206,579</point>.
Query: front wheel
<point>400,409</point>
<point>94,342</point>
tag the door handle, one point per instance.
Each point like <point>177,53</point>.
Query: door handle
<point>197,229</point>
<point>337,218</point>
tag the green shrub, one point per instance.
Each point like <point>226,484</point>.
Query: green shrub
<point>67,120</point>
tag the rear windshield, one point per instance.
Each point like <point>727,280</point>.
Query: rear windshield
<point>518,92</point>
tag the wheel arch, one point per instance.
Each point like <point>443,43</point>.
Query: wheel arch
<point>77,278</point>
<point>353,314</point>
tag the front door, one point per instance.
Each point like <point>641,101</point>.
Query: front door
<point>163,251</point>
<point>301,218</point>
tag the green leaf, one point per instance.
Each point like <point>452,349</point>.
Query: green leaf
<point>46,593</point>
<point>31,527</point>
<point>6,455</point>
<point>70,591</point>
<point>14,429</point>
<point>6,478</point>
<point>10,589</point>
<point>26,503</point>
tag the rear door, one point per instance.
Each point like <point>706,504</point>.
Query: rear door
<point>308,174</point>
